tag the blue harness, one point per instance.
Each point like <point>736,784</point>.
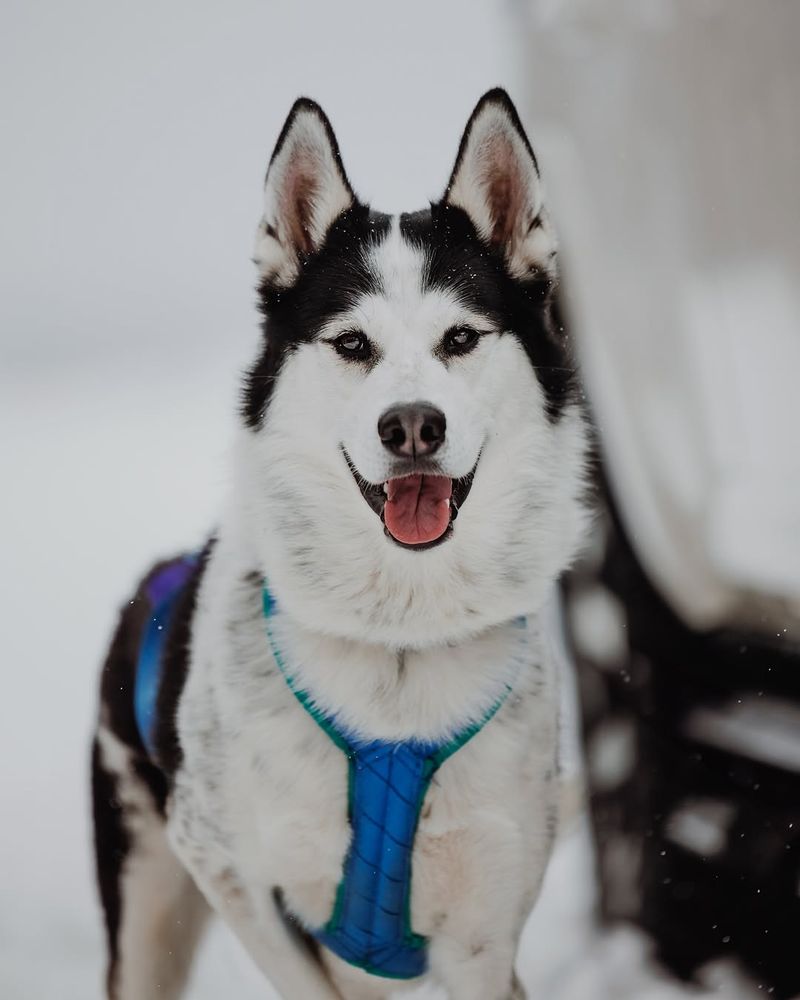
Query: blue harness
<point>370,926</point>
<point>163,591</point>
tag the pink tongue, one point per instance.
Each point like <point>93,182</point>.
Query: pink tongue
<point>417,508</point>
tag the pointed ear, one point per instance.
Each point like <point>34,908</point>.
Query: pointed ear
<point>496,181</point>
<point>306,190</point>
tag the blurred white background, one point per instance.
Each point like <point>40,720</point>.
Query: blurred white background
<point>671,140</point>
<point>135,137</point>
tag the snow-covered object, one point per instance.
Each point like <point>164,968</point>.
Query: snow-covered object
<point>670,141</point>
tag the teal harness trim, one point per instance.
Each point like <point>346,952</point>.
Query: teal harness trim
<point>370,926</point>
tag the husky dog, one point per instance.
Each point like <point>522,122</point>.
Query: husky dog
<point>408,487</point>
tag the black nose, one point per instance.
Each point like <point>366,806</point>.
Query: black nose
<point>412,430</point>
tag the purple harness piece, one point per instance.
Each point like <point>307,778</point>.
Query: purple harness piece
<point>163,591</point>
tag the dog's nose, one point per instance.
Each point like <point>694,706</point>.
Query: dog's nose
<point>412,430</point>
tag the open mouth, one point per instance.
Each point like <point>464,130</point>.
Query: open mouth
<point>417,509</point>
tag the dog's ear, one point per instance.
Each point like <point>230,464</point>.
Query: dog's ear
<point>496,181</point>
<point>306,190</point>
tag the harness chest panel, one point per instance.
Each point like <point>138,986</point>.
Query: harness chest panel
<point>387,781</point>
<point>370,926</point>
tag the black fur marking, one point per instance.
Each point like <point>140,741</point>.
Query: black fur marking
<point>119,670</point>
<point>458,260</point>
<point>253,579</point>
<point>112,845</point>
<point>297,932</point>
<point>330,282</point>
<point>174,669</point>
<point>155,780</point>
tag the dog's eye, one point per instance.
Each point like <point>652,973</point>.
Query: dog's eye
<point>460,340</point>
<point>353,345</point>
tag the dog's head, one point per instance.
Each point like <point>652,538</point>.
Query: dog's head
<point>414,445</point>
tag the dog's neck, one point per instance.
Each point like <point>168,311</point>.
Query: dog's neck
<point>374,690</point>
<point>393,694</point>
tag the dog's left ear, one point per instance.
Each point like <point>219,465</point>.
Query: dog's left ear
<point>496,181</point>
<point>306,190</point>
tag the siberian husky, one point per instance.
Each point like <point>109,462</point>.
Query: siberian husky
<point>336,725</point>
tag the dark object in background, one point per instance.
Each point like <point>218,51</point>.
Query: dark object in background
<point>693,769</point>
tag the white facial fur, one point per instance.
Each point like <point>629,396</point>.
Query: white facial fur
<point>324,549</point>
<point>405,326</point>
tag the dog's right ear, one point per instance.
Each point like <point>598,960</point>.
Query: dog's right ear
<point>306,190</point>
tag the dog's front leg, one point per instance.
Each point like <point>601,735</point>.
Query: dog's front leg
<point>478,972</point>
<point>258,923</point>
<point>283,958</point>
<point>475,935</point>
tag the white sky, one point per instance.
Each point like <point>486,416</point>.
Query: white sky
<point>135,137</point>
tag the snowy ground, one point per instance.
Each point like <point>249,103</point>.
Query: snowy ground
<point>103,470</point>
